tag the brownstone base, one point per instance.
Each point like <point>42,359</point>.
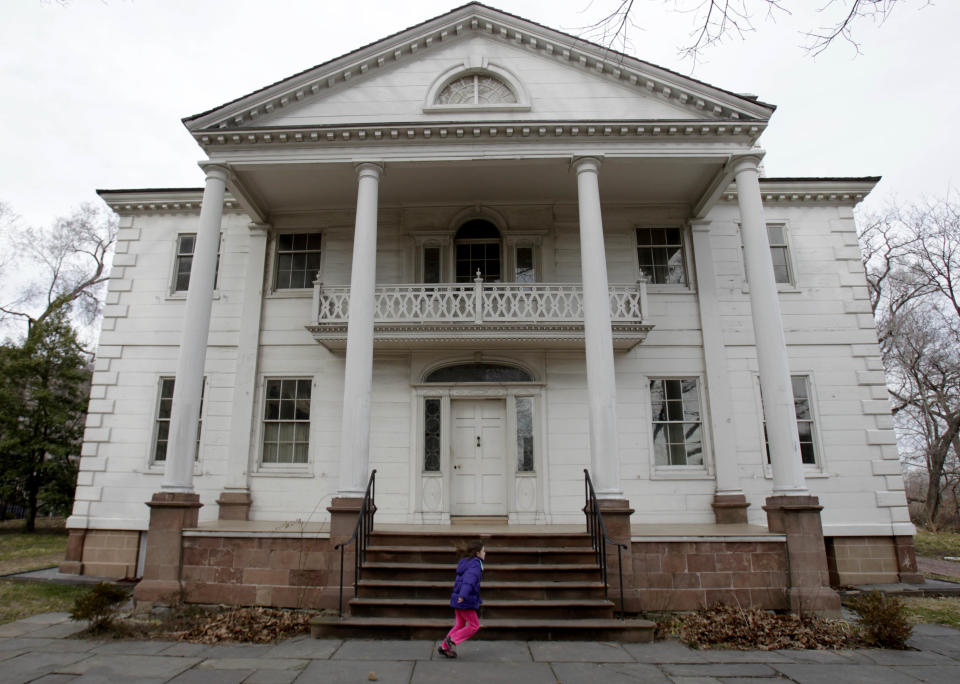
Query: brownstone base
<point>234,505</point>
<point>907,560</point>
<point>170,513</point>
<point>798,517</point>
<point>72,563</point>
<point>730,509</point>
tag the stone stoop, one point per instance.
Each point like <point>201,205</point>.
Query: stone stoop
<point>535,586</point>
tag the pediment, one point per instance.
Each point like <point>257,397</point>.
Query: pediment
<point>561,78</point>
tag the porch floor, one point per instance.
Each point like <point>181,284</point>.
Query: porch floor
<point>639,532</point>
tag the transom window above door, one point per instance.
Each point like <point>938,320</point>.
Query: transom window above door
<point>477,248</point>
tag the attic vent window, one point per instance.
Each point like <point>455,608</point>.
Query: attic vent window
<point>476,89</point>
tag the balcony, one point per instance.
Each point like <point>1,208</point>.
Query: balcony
<point>421,316</point>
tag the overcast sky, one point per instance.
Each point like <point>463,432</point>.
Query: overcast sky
<point>93,90</point>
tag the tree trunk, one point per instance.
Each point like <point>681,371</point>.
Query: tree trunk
<point>31,492</point>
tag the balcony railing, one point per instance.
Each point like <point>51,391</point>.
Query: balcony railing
<point>549,312</point>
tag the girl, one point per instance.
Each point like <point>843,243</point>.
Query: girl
<point>465,598</point>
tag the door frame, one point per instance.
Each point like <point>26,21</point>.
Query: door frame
<point>526,495</point>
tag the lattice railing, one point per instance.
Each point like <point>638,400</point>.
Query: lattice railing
<point>479,303</point>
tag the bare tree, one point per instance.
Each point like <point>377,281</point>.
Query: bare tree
<point>65,265</point>
<point>912,259</point>
<point>716,20</point>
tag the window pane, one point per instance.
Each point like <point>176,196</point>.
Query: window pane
<point>660,255</point>
<point>286,427</point>
<point>805,426</point>
<point>298,260</point>
<point>525,434</point>
<point>431,265</point>
<point>776,235</point>
<point>431,435</point>
<point>675,409</point>
<point>525,271</point>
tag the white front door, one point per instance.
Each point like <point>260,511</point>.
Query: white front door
<point>479,457</point>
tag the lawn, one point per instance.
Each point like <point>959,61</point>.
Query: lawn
<point>937,544</point>
<point>943,610</point>
<point>20,552</point>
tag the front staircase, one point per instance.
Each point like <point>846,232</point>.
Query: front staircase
<point>536,585</point>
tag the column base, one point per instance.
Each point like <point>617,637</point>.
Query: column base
<point>234,505</point>
<point>170,513</point>
<point>907,560</point>
<point>730,509</point>
<point>798,517</point>
<point>72,563</point>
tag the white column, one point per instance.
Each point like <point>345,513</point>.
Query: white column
<point>715,363</point>
<point>185,412</point>
<point>601,378</point>
<point>242,442</point>
<point>778,409</point>
<point>358,375</point>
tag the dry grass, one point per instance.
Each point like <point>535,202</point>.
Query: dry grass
<point>23,599</point>
<point>937,544</point>
<point>944,610</point>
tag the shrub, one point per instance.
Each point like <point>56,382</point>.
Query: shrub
<point>100,605</point>
<point>883,620</point>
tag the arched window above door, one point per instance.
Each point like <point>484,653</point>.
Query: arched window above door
<point>479,372</point>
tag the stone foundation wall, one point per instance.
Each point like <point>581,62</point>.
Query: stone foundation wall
<point>680,575</point>
<point>862,560</point>
<point>110,553</point>
<point>282,572</point>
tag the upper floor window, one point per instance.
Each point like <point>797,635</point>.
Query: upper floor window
<point>476,89</point>
<point>477,249</point>
<point>779,254</point>
<point>298,260</point>
<point>186,244</point>
<point>660,255</point>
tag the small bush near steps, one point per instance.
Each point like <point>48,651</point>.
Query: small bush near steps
<point>99,606</point>
<point>883,620</point>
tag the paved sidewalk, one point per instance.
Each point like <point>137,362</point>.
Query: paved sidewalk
<point>38,650</point>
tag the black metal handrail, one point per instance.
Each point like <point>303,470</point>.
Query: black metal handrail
<point>361,535</point>
<point>599,537</point>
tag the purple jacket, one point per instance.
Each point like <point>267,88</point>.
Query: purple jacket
<point>467,584</point>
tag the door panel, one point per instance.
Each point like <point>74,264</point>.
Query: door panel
<point>479,457</point>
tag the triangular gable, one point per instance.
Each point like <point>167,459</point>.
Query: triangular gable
<point>640,91</point>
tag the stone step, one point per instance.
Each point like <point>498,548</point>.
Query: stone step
<point>500,572</point>
<point>499,555</point>
<point>491,609</point>
<point>490,629</point>
<point>492,540</point>
<point>491,589</point>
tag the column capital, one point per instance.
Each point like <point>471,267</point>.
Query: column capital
<point>747,161</point>
<point>369,170</point>
<point>588,163</point>
<point>259,229</point>
<point>699,225</point>
<point>215,170</point>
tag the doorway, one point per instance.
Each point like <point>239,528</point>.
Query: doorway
<point>478,447</point>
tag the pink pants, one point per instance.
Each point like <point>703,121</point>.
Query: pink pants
<point>466,626</point>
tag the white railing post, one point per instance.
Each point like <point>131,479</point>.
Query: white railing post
<point>642,285</point>
<point>317,287</point>
<point>478,298</point>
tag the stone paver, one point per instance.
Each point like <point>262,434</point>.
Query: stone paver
<point>362,649</point>
<point>145,666</point>
<point>579,652</point>
<point>344,671</point>
<point>490,651</point>
<point>59,630</point>
<point>437,672</point>
<point>609,673</point>
<point>804,673</point>
<point>31,654</point>
<point>46,619</point>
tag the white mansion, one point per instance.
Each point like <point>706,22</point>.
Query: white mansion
<point>481,256</point>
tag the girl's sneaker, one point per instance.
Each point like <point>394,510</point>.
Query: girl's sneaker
<point>447,648</point>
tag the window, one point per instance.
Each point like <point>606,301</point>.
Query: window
<point>162,425</point>
<point>660,254</point>
<point>431,435</point>
<point>286,420</point>
<point>477,248</point>
<point>677,425</point>
<point>431,265</point>
<point>298,260</point>
<point>525,272</point>
<point>186,244</point>
<point>777,234</point>
<point>525,434</point>
<point>805,427</point>
<point>779,253</point>
<point>476,89</point>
